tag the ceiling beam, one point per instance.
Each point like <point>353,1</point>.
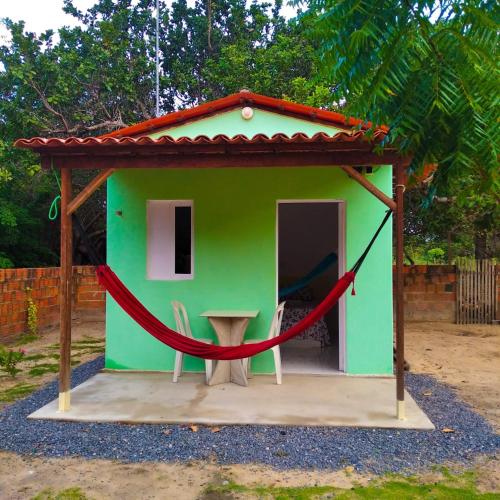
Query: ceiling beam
<point>228,159</point>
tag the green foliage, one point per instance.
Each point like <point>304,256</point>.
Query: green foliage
<point>66,494</point>
<point>9,359</point>
<point>435,255</point>
<point>32,311</point>
<point>429,70</point>
<point>5,262</point>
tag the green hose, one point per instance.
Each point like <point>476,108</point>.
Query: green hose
<point>54,210</point>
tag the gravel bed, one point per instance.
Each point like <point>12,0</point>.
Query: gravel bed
<point>375,450</point>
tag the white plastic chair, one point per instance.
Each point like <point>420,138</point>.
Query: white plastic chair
<point>274,331</point>
<point>183,327</point>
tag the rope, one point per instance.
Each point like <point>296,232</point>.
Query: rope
<point>360,261</point>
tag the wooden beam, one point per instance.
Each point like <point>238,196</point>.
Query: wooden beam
<point>355,175</point>
<point>224,160</point>
<point>65,293</point>
<point>400,334</point>
<point>87,191</point>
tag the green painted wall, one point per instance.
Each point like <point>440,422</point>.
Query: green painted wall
<point>235,249</point>
<point>231,123</point>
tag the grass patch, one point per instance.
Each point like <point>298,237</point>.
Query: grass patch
<point>451,487</point>
<point>35,357</point>
<point>27,338</point>
<point>17,392</point>
<point>95,350</point>
<point>82,345</point>
<point>89,340</point>
<point>43,368</point>
<point>67,494</point>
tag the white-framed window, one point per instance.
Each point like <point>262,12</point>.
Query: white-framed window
<point>170,239</point>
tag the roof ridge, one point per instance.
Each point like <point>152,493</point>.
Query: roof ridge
<point>241,98</point>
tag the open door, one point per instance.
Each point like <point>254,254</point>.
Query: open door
<point>310,261</point>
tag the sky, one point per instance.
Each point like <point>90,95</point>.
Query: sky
<point>40,15</point>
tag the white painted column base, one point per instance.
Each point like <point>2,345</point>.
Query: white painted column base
<point>64,401</point>
<point>401,410</point>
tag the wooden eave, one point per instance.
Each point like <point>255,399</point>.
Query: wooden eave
<point>221,151</point>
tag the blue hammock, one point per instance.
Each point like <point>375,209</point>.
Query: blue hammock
<point>328,261</point>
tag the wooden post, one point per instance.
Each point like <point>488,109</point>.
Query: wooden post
<point>400,335</point>
<point>66,291</point>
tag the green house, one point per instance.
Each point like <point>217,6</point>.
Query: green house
<point>230,236</point>
<point>234,206</point>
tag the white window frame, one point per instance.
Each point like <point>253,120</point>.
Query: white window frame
<point>160,265</point>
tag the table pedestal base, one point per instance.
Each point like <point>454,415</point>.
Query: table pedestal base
<point>230,331</point>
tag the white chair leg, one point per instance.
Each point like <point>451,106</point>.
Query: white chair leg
<point>247,367</point>
<point>277,363</point>
<point>208,370</point>
<point>178,365</point>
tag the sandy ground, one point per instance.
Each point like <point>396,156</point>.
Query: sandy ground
<point>88,342</point>
<point>24,477</point>
<point>466,357</point>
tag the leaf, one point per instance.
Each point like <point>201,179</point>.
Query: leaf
<point>215,429</point>
<point>427,393</point>
<point>193,428</point>
<point>447,430</point>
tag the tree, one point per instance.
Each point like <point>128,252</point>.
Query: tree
<point>98,77</point>
<point>429,70</point>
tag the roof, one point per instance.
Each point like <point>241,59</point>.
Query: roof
<point>131,147</point>
<point>243,98</point>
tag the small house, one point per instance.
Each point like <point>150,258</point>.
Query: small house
<point>224,206</point>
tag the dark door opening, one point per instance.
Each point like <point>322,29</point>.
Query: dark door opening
<point>308,233</point>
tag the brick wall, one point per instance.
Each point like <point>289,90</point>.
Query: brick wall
<point>429,295</point>
<point>42,284</point>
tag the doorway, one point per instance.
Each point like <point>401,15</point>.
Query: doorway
<point>310,259</point>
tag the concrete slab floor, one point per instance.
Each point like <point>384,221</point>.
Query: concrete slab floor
<point>304,400</point>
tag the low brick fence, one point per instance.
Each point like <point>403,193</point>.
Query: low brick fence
<point>42,285</point>
<point>429,295</point>
<point>430,292</point>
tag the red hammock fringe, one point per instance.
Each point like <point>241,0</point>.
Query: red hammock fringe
<point>131,305</point>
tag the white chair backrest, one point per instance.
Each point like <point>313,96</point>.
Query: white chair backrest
<point>181,319</point>
<point>275,329</point>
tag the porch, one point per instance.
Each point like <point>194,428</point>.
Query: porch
<point>302,400</point>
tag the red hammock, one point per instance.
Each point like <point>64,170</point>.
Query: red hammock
<point>131,305</point>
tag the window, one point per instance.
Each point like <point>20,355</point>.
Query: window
<point>170,240</point>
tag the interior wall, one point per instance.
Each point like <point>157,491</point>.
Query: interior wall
<point>308,232</point>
